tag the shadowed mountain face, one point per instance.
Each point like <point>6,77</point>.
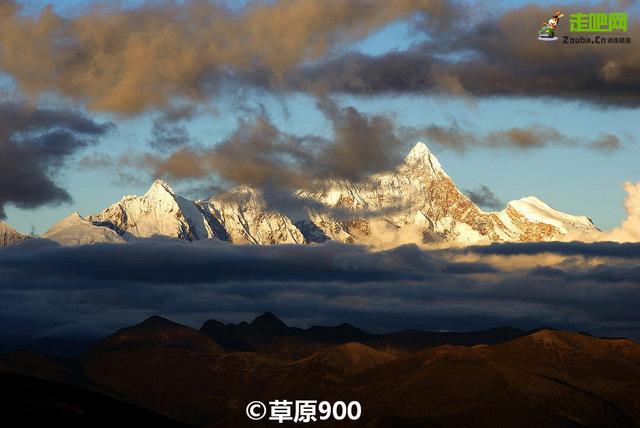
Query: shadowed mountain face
<point>502,377</point>
<point>157,332</point>
<point>268,334</point>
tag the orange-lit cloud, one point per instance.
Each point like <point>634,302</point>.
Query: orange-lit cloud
<point>128,60</point>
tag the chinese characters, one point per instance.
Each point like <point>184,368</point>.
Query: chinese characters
<point>597,22</point>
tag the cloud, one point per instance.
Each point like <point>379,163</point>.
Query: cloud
<point>361,144</point>
<point>524,138</point>
<point>34,144</point>
<point>607,143</point>
<point>629,230</point>
<point>130,59</point>
<point>484,197</point>
<point>516,138</point>
<point>260,155</point>
<point>610,250</point>
<point>133,59</point>
<point>168,131</point>
<point>47,288</point>
<point>493,54</point>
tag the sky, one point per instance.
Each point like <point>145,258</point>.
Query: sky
<point>566,171</point>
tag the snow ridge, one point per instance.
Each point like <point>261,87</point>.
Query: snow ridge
<point>74,230</point>
<point>159,212</point>
<point>417,202</point>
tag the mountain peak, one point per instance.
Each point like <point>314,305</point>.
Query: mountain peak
<point>419,150</point>
<point>74,216</point>
<point>158,332</point>
<point>76,230</point>
<point>159,212</point>
<point>535,210</point>
<point>157,321</point>
<point>415,202</point>
<point>269,321</point>
<point>160,186</point>
<point>420,153</point>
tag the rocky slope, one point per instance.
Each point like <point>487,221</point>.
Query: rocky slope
<point>8,235</point>
<point>417,202</point>
<point>245,219</point>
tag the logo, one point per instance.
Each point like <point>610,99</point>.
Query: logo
<point>597,22</point>
<point>608,27</point>
<point>547,32</point>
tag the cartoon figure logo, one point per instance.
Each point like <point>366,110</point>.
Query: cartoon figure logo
<point>547,32</point>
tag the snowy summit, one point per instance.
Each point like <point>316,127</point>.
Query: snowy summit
<point>416,202</point>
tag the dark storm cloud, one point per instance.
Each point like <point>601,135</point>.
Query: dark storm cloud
<point>34,144</point>
<point>601,249</point>
<point>142,262</point>
<point>51,290</point>
<point>498,55</point>
<point>603,274</point>
<point>484,197</point>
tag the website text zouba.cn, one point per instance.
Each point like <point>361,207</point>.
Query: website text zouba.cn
<point>596,40</point>
<point>303,411</point>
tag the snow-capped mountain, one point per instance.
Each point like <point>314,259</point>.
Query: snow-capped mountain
<point>244,218</point>
<point>159,212</point>
<point>419,198</point>
<point>8,235</point>
<point>416,202</point>
<point>74,230</point>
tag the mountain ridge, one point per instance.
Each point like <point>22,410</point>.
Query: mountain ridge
<point>75,230</point>
<point>543,377</point>
<point>416,202</point>
<point>269,334</point>
<point>9,236</point>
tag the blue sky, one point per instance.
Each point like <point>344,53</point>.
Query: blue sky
<point>571,179</point>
